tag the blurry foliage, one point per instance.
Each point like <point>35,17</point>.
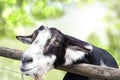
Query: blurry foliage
<point>94,39</point>
<point>114,5</point>
<point>112,21</point>
<point>44,9</point>
<point>114,43</point>
<point>15,13</point>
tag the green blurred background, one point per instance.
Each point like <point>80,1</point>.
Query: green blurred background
<point>95,21</point>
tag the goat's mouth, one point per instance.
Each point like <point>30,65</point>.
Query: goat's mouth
<point>32,72</point>
<point>27,69</point>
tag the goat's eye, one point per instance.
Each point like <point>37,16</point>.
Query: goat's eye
<point>56,43</point>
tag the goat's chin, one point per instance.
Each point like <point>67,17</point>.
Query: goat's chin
<point>38,76</point>
<point>31,72</point>
<point>36,73</point>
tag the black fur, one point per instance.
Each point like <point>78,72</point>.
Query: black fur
<point>93,57</point>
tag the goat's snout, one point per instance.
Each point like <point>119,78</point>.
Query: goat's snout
<point>27,59</point>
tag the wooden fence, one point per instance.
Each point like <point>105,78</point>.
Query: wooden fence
<point>93,71</point>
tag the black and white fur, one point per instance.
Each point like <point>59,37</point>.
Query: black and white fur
<point>51,48</point>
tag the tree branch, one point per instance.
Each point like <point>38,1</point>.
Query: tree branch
<point>93,71</point>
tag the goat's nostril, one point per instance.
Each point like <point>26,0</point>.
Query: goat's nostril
<point>27,59</point>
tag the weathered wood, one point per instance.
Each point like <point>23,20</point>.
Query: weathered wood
<point>98,72</point>
<point>10,53</point>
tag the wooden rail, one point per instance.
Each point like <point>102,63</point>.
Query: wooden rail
<point>93,71</point>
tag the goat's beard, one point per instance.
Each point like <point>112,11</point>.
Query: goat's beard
<point>38,77</point>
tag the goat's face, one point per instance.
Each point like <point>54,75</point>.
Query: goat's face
<point>50,48</point>
<point>45,52</point>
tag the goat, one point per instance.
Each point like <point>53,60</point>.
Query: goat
<point>51,48</point>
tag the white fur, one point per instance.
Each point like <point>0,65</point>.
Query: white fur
<point>90,47</point>
<point>73,55</point>
<point>102,63</point>
<point>41,63</point>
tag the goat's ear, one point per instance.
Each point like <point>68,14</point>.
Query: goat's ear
<point>86,49</point>
<point>78,44</point>
<point>25,39</point>
<point>28,39</point>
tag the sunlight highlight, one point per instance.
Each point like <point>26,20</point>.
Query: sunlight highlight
<point>91,20</point>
